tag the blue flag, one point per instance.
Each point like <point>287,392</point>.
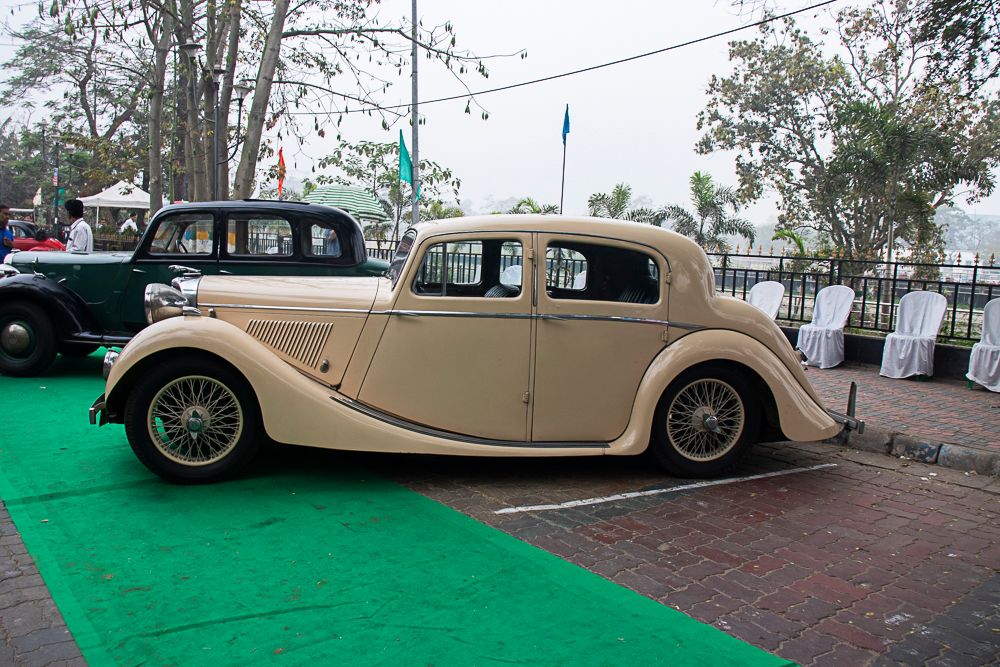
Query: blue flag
<point>405,166</point>
<point>566,125</point>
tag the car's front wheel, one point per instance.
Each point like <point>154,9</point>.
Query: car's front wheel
<point>27,340</point>
<point>193,421</point>
<point>705,423</point>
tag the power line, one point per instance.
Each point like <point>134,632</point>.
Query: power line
<point>673,47</point>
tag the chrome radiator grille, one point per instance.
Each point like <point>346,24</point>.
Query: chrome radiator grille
<point>303,341</point>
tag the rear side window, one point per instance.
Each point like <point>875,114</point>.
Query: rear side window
<point>256,235</point>
<point>323,240</point>
<point>184,234</point>
<point>600,273</point>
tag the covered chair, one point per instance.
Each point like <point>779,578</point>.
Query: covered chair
<point>909,350</point>
<point>984,364</point>
<point>767,297</point>
<point>822,340</point>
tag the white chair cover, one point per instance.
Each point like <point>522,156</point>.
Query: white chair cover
<point>580,280</point>
<point>909,350</point>
<point>767,296</point>
<point>511,276</point>
<point>822,340</point>
<point>984,364</point>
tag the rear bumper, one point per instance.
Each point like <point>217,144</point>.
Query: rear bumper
<point>850,423</point>
<point>98,412</point>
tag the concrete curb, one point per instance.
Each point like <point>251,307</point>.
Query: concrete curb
<point>901,445</point>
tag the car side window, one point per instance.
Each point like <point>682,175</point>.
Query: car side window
<point>19,232</point>
<point>250,234</point>
<point>600,273</point>
<point>476,268</point>
<point>184,233</point>
<point>323,239</point>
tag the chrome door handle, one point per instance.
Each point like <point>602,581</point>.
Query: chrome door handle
<point>137,271</point>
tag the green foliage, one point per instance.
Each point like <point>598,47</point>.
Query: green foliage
<point>714,217</point>
<point>853,147</point>
<point>617,206</point>
<point>529,205</point>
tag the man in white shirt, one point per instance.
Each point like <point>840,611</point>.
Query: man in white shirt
<point>81,239</point>
<point>129,226</point>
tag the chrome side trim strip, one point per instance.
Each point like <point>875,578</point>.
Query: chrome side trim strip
<point>460,313</point>
<point>310,309</point>
<point>458,437</point>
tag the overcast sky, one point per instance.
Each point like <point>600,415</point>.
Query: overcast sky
<point>631,123</point>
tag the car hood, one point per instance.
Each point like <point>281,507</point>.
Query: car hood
<point>287,293</point>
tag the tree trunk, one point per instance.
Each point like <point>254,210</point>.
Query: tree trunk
<point>156,115</point>
<point>232,53</point>
<point>258,109</point>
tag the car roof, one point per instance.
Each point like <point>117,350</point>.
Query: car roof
<point>273,204</point>
<point>651,235</point>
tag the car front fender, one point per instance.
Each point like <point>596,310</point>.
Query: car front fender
<point>68,312</point>
<point>801,418</point>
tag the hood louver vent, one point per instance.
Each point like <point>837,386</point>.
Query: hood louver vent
<point>303,341</point>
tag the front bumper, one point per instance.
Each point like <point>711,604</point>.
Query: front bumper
<point>850,422</point>
<point>98,412</point>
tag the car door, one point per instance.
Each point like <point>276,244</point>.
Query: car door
<point>601,319</point>
<point>455,354</point>
<point>184,238</point>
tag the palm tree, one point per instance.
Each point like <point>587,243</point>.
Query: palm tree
<point>529,205</point>
<point>438,211</point>
<point>616,207</point>
<point>711,220</point>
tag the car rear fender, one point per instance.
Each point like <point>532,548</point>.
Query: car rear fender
<point>68,312</point>
<point>800,417</point>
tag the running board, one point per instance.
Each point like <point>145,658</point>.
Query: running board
<point>458,437</point>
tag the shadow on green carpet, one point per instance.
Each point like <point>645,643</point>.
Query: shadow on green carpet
<point>301,563</point>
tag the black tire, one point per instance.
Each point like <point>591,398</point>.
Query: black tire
<point>27,339</point>
<point>229,425</point>
<point>682,442</point>
<point>77,350</point>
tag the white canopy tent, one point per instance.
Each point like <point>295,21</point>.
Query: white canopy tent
<point>119,195</point>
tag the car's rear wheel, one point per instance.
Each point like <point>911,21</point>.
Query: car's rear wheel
<point>77,349</point>
<point>27,339</point>
<point>193,422</point>
<point>705,423</point>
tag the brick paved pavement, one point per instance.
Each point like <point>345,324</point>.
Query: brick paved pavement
<point>939,408</point>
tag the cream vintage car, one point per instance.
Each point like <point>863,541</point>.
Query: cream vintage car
<point>488,336</point>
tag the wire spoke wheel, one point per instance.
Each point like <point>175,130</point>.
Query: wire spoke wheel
<point>195,420</point>
<point>705,419</point>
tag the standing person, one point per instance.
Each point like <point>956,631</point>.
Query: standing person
<point>129,225</point>
<point>6,234</point>
<point>81,239</point>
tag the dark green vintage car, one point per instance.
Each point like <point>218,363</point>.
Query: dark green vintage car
<point>72,303</point>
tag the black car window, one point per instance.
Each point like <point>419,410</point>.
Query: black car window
<point>21,232</point>
<point>323,239</point>
<point>185,234</point>
<point>474,268</point>
<point>258,234</point>
<point>600,273</point>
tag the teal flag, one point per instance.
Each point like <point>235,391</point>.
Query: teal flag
<point>565,125</point>
<point>405,165</point>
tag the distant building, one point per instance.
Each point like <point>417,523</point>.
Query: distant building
<point>359,202</point>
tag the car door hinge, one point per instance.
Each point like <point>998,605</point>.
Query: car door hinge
<point>531,254</point>
<point>526,397</point>
<point>665,335</point>
<point>666,279</point>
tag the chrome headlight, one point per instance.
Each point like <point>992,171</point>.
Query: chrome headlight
<point>162,302</point>
<point>188,286</point>
<point>109,360</point>
<point>6,269</point>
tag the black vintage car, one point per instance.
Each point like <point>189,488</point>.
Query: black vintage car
<point>71,303</point>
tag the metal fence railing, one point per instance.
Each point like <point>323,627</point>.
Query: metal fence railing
<point>878,287</point>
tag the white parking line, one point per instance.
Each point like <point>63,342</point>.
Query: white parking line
<point>654,492</point>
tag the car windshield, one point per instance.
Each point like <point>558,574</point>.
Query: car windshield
<point>402,251</point>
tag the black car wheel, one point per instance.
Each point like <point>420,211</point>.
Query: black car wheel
<point>705,423</point>
<point>193,422</point>
<point>27,340</point>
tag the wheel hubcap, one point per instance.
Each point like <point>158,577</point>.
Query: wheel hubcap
<point>705,420</point>
<point>15,338</point>
<point>195,420</point>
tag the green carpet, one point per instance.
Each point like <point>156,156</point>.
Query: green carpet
<point>299,564</point>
